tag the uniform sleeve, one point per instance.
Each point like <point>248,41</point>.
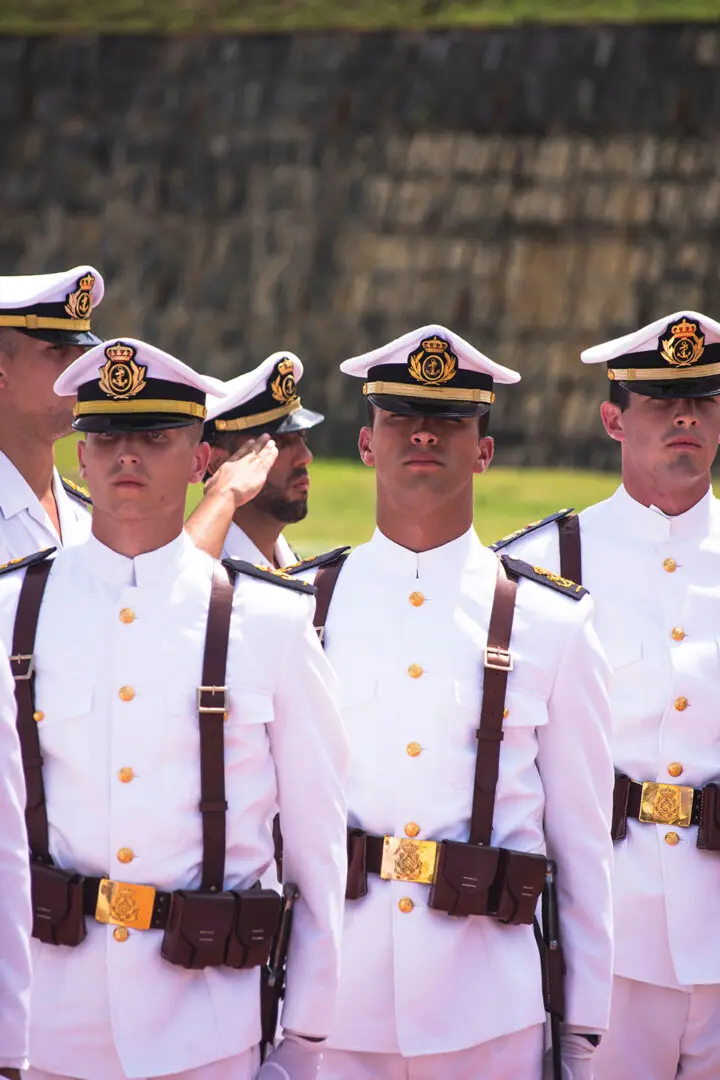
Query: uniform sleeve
<point>576,767</point>
<point>310,751</point>
<point>15,917</point>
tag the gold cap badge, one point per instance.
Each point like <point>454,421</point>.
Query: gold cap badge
<point>683,344</point>
<point>78,304</point>
<point>121,377</point>
<point>283,388</point>
<point>433,363</point>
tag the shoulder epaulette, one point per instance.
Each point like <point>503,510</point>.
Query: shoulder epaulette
<point>499,544</point>
<point>76,491</point>
<point>266,573</point>
<point>26,560</point>
<point>544,577</point>
<point>328,559</point>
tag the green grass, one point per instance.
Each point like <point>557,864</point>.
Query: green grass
<point>258,16</point>
<point>343,495</point>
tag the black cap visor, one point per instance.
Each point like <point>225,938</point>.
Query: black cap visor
<point>299,420</point>
<point>675,388</point>
<point>414,406</point>
<point>103,424</point>
<point>84,338</point>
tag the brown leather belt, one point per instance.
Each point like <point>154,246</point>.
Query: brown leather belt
<point>374,853</point>
<point>635,803</point>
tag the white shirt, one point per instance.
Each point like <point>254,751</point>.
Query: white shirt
<point>238,545</point>
<point>421,982</point>
<point>666,897</point>
<point>16,920</point>
<point>25,526</point>
<point>107,1008</point>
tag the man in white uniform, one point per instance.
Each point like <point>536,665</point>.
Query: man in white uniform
<point>262,422</point>
<point>14,892</point>
<point>409,632</point>
<point>163,766</point>
<point>650,556</point>
<point>44,326</point>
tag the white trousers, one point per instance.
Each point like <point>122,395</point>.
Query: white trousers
<point>241,1067</point>
<point>660,1034</point>
<point>511,1057</point>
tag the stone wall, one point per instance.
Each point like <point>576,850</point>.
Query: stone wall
<point>538,190</point>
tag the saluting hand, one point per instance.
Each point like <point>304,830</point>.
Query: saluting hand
<point>243,475</point>
<point>295,1058</point>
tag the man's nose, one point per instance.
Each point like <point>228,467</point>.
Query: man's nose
<point>304,454</point>
<point>127,453</point>
<point>686,415</point>
<point>424,438</point>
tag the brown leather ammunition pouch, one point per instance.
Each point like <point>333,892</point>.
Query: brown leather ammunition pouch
<point>709,829</point>
<point>224,929</point>
<point>503,884</point>
<point>518,887</point>
<point>57,905</point>
<point>357,884</point>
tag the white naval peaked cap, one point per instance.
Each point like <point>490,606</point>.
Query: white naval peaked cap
<point>53,307</point>
<point>676,356</point>
<point>264,400</point>
<point>125,384</point>
<point>431,371</point>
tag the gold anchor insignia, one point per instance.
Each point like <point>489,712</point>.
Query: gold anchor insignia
<point>433,363</point>
<point>121,377</point>
<point>78,304</point>
<point>283,388</point>
<point>683,344</point>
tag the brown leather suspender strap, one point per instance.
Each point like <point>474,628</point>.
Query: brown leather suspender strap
<point>325,582</point>
<point>22,664</point>
<point>570,553</point>
<point>212,711</point>
<point>498,665</point>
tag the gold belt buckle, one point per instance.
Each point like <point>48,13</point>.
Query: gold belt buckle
<point>408,860</point>
<point>666,804</point>
<point>124,904</point>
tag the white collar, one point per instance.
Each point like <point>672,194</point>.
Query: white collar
<point>444,562</point>
<point>153,569</point>
<point>650,523</point>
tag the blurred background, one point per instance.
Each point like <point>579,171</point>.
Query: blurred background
<point>252,175</point>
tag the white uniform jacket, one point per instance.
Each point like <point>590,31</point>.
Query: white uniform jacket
<point>122,772</point>
<point>15,919</point>
<point>238,545</point>
<point>24,525</point>
<point>420,982</point>
<point>650,575</point>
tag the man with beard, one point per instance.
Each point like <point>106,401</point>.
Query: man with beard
<point>650,555</point>
<point>258,429</point>
<point>44,326</point>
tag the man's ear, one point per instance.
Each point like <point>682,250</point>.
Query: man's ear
<point>200,461</point>
<point>81,457</point>
<point>613,420</point>
<point>217,455</point>
<point>365,447</point>
<point>485,452</point>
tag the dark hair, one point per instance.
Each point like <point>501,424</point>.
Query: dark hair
<point>225,440</point>
<point>619,395</point>
<point>483,421</point>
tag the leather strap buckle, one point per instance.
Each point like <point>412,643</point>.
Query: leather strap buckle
<point>408,860</point>
<point>122,903</point>
<point>498,659</point>
<point>21,658</point>
<point>214,708</point>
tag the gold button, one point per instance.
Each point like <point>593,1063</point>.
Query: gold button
<point>125,855</point>
<point>669,565</point>
<point>416,599</point>
<point>412,828</point>
<point>125,775</point>
<point>405,904</point>
<point>506,713</point>
<point>677,633</point>
<point>414,749</point>
<point>681,704</point>
<point>672,838</point>
<point>38,716</point>
<point>675,768</point>
<point>415,671</point>
<point>126,693</point>
<point>127,615</point>
<point>121,933</point>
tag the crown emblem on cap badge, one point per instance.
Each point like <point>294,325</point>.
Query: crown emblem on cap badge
<point>78,304</point>
<point>283,387</point>
<point>682,344</point>
<point>433,363</point>
<point>121,377</point>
